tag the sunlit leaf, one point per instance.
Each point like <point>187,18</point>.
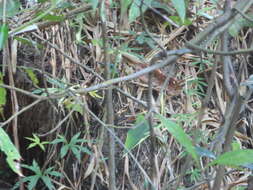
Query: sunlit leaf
<point>3,35</point>
<point>94,94</point>
<point>234,158</point>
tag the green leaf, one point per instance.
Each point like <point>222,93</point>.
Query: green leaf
<point>86,150</point>
<point>31,145</point>
<point>57,83</point>
<point>10,151</point>
<point>32,76</point>
<point>3,35</point>
<point>77,153</point>
<point>94,3</point>
<point>47,182</point>
<point>178,133</point>
<point>180,8</point>
<point>42,1</point>
<point>139,133</point>
<point>2,96</point>
<point>64,150</point>
<point>134,10</point>
<point>178,21</point>
<point>234,158</point>
<point>3,92</point>
<point>32,182</point>
<point>12,8</point>
<point>55,173</point>
<point>75,137</point>
<point>53,18</point>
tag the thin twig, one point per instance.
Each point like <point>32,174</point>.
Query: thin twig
<point>19,112</point>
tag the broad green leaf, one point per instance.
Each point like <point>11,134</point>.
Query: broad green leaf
<point>12,8</point>
<point>139,133</point>
<point>235,158</point>
<point>178,133</point>
<point>180,8</point>
<point>10,151</point>
<point>3,35</point>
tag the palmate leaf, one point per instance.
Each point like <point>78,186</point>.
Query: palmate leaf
<point>47,182</point>
<point>178,133</point>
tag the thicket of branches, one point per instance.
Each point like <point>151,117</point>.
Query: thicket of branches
<point>126,94</point>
